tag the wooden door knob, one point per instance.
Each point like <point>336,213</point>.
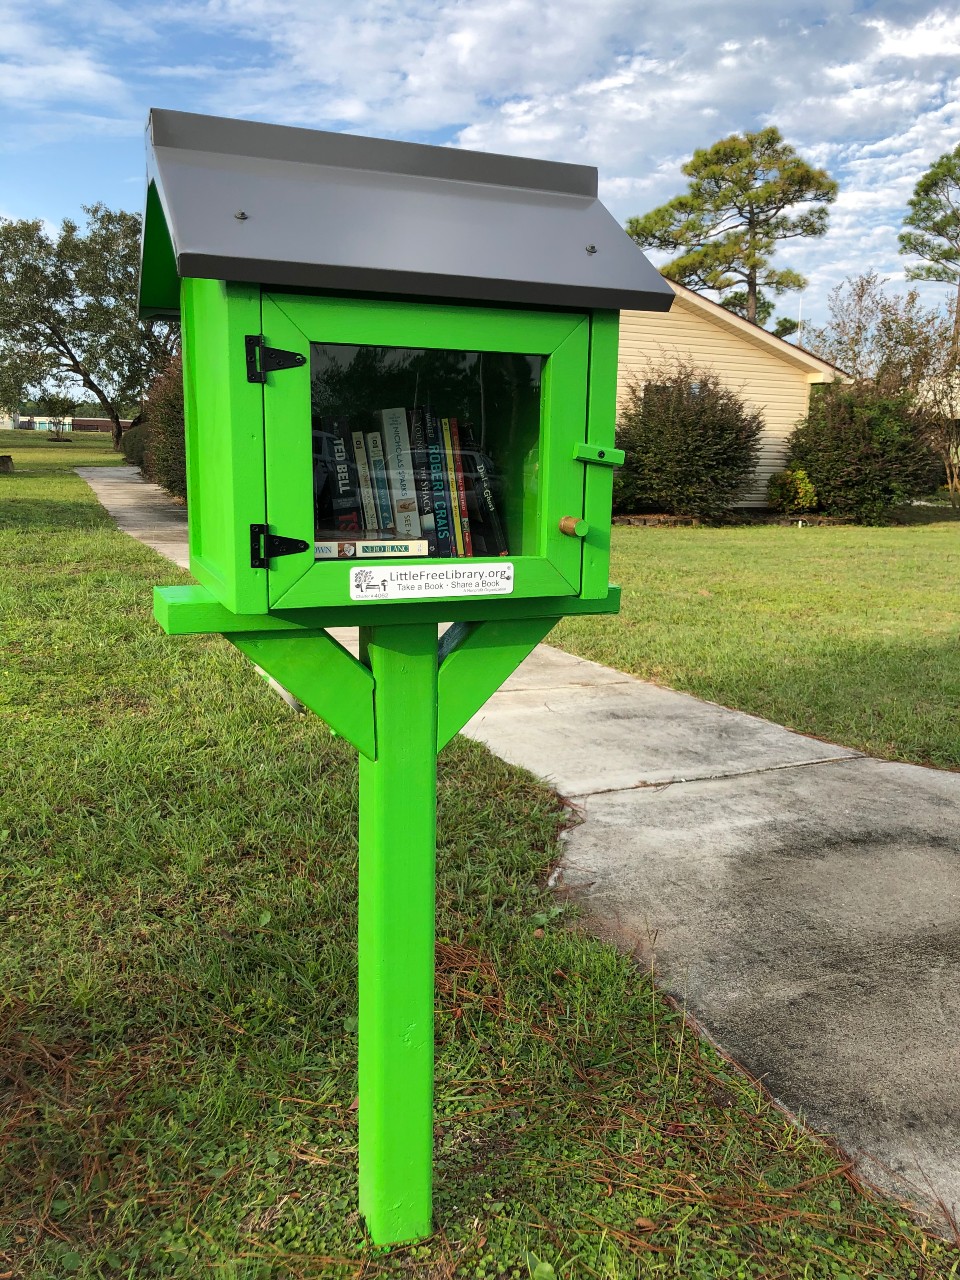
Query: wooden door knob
<point>574,527</point>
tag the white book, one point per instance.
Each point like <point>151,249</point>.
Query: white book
<point>368,548</point>
<point>403,489</point>
<point>366,485</point>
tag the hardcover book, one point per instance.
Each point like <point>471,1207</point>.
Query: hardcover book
<point>403,492</point>
<point>337,502</point>
<point>378,479</point>
<point>421,475</point>
<point>461,486</point>
<point>363,479</point>
<point>481,498</point>
<point>439,486</point>
<point>451,483</point>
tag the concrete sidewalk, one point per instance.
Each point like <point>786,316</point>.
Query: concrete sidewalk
<point>802,900</point>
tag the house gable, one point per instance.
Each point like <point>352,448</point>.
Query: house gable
<point>771,375</point>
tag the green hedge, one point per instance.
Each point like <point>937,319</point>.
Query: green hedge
<point>691,444</point>
<point>166,459</point>
<point>863,452</point>
<point>134,444</point>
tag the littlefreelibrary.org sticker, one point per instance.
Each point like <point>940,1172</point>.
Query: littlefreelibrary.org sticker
<point>428,582</point>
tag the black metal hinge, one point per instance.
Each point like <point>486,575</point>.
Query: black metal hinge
<point>265,546</point>
<point>271,358</point>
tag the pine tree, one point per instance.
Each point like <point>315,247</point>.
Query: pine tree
<point>934,222</point>
<point>727,225</point>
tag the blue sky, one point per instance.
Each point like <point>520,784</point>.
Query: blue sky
<point>868,90</point>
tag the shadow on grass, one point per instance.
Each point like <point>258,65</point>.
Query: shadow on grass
<point>43,514</point>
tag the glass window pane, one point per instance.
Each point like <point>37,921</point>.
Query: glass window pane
<point>424,452</point>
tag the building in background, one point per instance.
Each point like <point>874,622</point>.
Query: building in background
<point>771,375</point>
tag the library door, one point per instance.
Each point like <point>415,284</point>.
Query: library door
<point>414,435</point>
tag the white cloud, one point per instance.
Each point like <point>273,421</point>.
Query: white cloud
<point>37,69</point>
<point>633,86</point>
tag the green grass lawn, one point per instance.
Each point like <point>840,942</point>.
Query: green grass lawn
<point>178,1004</point>
<point>848,634</point>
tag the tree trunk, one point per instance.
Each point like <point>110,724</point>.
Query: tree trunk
<point>116,430</point>
<point>752,296</point>
<point>955,342</point>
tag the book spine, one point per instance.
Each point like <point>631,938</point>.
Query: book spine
<point>461,487</point>
<point>363,478</point>
<point>378,476</point>
<point>439,489</point>
<point>488,516</point>
<point>451,479</point>
<point>346,494</point>
<point>367,548</point>
<point>396,446</point>
<point>322,477</point>
<point>421,475</point>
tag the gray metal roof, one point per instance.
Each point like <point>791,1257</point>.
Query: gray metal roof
<point>336,211</point>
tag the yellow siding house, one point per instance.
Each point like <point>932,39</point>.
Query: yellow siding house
<point>770,374</point>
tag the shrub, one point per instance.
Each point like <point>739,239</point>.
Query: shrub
<point>134,443</point>
<point>166,457</point>
<point>791,491</point>
<point>863,451</point>
<point>691,443</point>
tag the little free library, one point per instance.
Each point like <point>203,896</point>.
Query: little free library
<point>400,368</point>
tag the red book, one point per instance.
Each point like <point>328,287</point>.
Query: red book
<point>461,487</point>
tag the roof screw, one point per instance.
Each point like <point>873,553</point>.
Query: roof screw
<point>240,216</point>
<point>591,248</point>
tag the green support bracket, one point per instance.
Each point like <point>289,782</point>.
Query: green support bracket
<point>408,696</point>
<point>323,676</point>
<point>475,659</point>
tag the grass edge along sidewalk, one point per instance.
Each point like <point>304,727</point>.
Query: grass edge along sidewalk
<point>178,1012</point>
<point>848,634</point>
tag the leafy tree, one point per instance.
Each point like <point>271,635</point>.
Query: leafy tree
<point>892,346</point>
<point>889,340</point>
<point>726,227</point>
<point>934,228</point>
<point>57,408</point>
<point>68,313</point>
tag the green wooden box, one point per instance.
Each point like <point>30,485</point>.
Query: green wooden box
<point>329,284</point>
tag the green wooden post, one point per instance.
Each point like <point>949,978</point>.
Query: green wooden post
<point>398,847</point>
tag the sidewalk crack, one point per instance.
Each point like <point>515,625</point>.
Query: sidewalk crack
<point>717,777</point>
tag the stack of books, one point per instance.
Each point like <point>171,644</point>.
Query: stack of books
<point>413,485</point>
